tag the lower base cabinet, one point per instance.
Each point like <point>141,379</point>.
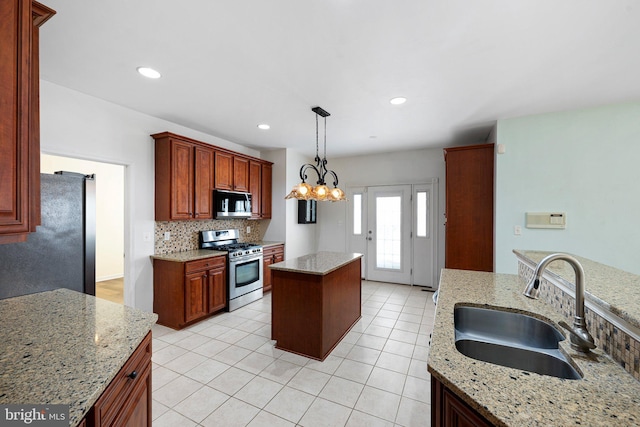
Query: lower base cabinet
<point>270,255</point>
<point>187,292</point>
<point>448,410</point>
<point>126,401</point>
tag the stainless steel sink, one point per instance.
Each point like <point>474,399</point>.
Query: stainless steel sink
<point>510,339</point>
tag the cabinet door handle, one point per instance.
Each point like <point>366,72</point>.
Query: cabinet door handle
<point>133,375</point>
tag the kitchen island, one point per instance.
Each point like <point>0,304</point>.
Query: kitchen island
<point>490,394</point>
<point>316,299</point>
<point>65,347</point>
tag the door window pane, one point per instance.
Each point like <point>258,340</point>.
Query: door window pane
<point>388,232</point>
<point>422,214</point>
<point>357,214</point>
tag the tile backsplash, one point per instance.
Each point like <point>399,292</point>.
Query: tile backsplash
<point>622,347</point>
<point>184,234</point>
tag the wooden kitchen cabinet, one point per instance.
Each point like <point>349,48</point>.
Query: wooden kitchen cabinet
<point>469,207</point>
<point>270,255</point>
<point>183,180</point>
<point>265,198</point>
<point>126,402</point>
<point>20,117</point>
<point>240,174</point>
<point>255,188</point>
<point>224,171</point>
<point>187,292</point>
<point>448,410</point>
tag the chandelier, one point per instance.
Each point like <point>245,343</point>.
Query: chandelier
<point>320,192</point>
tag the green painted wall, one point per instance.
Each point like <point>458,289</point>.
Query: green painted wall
<point>583,162</point>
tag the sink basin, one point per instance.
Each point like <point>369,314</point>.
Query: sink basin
<point>514,340</point>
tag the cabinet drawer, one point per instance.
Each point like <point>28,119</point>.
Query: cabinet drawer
<point>113,400</point>
<point>205,264</point>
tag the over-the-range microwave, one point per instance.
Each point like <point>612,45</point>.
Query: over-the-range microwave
<point>231,204</point>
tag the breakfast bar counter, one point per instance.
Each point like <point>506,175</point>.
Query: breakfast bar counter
<point>316,299</point>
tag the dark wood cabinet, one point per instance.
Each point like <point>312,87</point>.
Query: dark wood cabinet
<point>184,179</point>
<point>127,399</point>
<point>255,188</point>
<point>265,199</point>
<point>20,117</point>
<point>224,171</point>
<point>469,207</point>
<point>240,174</point>
<point>270,255</point>
<point>186,292</point>
<point>448,410</point>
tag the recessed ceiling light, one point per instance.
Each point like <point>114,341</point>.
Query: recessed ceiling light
<point>399,100</point>
<point>264,126</point>
<point>149,72</point>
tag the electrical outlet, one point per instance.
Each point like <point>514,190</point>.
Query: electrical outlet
<point>167,235</point>
<point>517,230</point>
<point>248,229</point>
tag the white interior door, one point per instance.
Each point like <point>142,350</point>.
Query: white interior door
<point>388,234</point>
<point>357,223</point>
<point>425,236</point>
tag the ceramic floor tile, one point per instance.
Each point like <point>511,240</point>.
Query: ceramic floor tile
<point>412,318</point>
<point>323,413</point>
<point>413,413</point>
<point>360,419</point>
<point>211,348</point>
<point>342,391</point>
<point>232,413</point>
<point>233,336</point>
<point>328,365</point>
<point>175,336</point>
<point>265,419</point>
<point>394,362</point>
<point>269,349</point>
<point>400,348</point>
<point>294,358</point>
<point>380,320</point>
<point>418,389</point>
<point>159,330</point>
<point>255,362</point>
<point>290,404</point>
<point>157,409</point>
<point>192,341</point>
<point>378,331</point>
<point>388,314</point>
<point>354,371</point>
<point>363,354</point>
<point>418,368</point>
<point>280,371</point>
<point>214,331</point>
<point>403,336</point>
<point>206,371</point>
<point>407,326</point>
<point>379,403</point>
<point>372,341</point>
<point>421,353</point>
<point>162,376</point>
<point>258,392</point>
<point>173,419</point>
<point>252,342</point>
<point>231,380</point>
<point>387,380</point>
<point>232,355</point>
<point>175,391</point>
<point>167,354</point>
<point>186,362</point>
<point>200,404</point>
<point>309,381</point>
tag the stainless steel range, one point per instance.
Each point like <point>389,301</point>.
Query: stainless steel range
<point>244,265</point>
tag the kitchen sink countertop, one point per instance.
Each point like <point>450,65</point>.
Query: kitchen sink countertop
<point>319,263</point>
<point>186,256</point>
<point>606,396</point>
<point>65,347</point>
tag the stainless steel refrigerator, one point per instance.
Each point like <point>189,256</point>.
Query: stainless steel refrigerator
<point>61,253</point>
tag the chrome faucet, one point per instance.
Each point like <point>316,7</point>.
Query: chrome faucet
<point>581,339</point>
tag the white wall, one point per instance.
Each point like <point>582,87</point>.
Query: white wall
<point>404,167</point>
<point>77,125</point>
<point>109,210</point>
<point>585,163</point>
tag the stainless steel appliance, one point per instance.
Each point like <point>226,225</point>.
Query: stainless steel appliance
<point>61,253</point>
<point>231,204</point>
<point>244,266</point>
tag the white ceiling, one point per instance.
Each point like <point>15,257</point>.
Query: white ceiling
<point>462,64</point>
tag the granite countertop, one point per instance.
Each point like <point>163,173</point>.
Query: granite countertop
<point>320,263</point>
<point>267,243</point>
<point>615,290</point>
<point>186,256</point>
<point>65,347</point>
<point>606,396</point>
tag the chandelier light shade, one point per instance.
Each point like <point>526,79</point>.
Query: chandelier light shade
<point>321,191</point>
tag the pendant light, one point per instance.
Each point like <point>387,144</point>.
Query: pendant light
<point>321,191</point>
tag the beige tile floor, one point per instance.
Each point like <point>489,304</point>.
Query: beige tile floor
<point>225,371</point>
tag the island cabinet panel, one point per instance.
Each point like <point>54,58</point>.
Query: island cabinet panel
<point>224,171</point>
<point>311,313</point>
<point>469,207</point>
<point>20,117</point>
<point>240,174</point>
<point>127,399</point>
<point>270,255</point>
<point>183,179</point>
<point>187,292</point>
<point>448,410</point>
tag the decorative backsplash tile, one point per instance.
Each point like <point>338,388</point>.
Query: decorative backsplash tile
<point>184,234</point>
<point>622,347</point>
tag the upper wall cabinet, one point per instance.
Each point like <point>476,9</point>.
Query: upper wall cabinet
<point>20,117</point>
<point>184,179</point>
<point>188,170</point>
